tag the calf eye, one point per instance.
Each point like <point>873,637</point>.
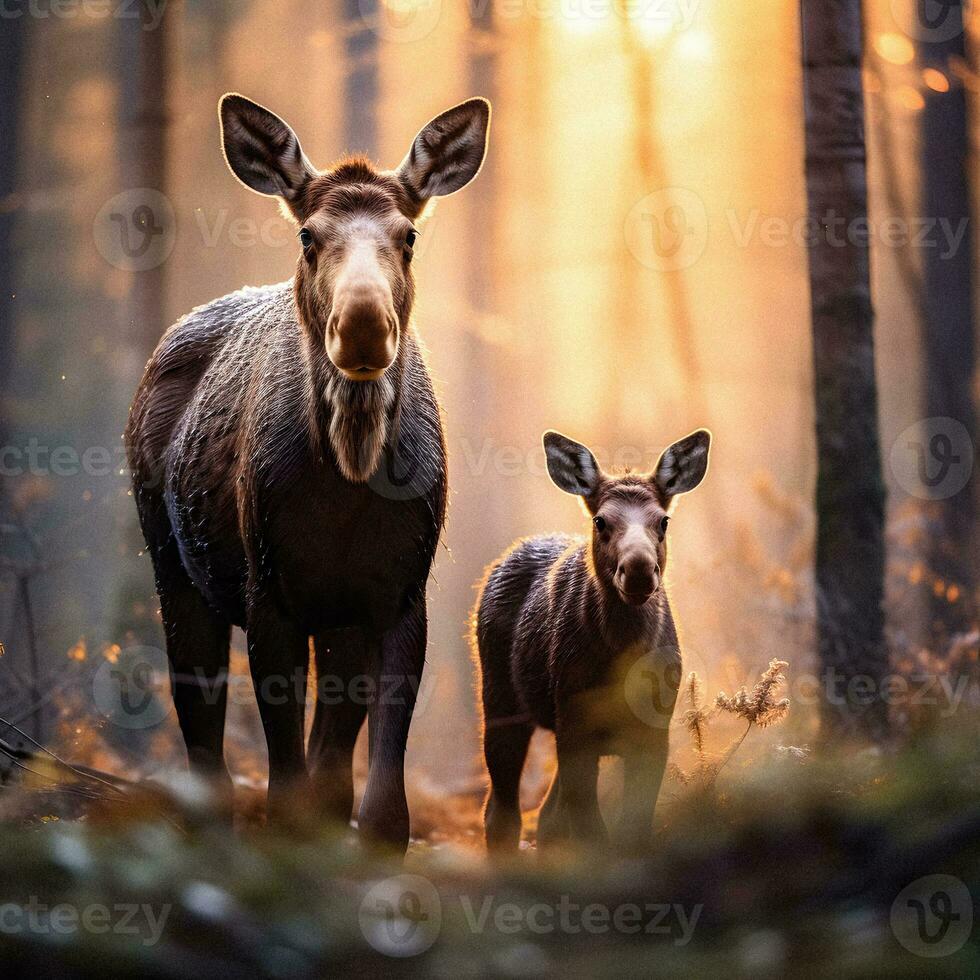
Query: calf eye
<point>600,523</point>
<point>305,238</point>
<point>664,521</point>
<point>411,238</point>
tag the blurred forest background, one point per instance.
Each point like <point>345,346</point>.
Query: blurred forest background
<point>627,267</point>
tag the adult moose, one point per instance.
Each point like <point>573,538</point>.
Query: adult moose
<point>262,438</point>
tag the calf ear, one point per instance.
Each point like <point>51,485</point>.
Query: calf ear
<point>571,466</point>
<point>683,465</point>
<point>262,151</point>
<point>448,151</point>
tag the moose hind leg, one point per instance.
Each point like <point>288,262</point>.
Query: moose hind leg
<point>505,745</point>
<point>341,707</point>
<point>197,648</point>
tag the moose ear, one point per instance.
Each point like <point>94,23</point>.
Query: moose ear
<point>683,465</point>
<point>262,151</point>
<point>448,151</point>
<point>571,466</point>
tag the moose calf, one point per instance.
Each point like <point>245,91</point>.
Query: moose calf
<point>561,625</point>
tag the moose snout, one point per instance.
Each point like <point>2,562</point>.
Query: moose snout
<point>637,578</point>
<point>362,333</point>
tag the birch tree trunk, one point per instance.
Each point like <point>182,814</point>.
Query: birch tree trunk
<point>850,496</point>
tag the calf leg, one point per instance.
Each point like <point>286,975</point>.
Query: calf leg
<point>341,707</point>
<point>397,673</point>
<point>643,772</point>
<point>552,819</point>
<point>505,743</point>
<point>578,770</point>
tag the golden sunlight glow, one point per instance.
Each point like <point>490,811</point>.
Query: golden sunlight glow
<point>935,79</point>
<point>580,21</point>
<point>406,6</point>
<point>653,22</point>
<point>695,46</point>
<point>909,98</point>
<point>894,48</point>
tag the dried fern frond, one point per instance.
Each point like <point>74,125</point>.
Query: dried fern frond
<point>774,715</point>
<point>696,716</point>
<point>759,707</point>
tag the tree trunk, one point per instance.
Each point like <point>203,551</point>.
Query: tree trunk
<point>850,496</point>
<point>144,220</point>
<point>12,44</point>
<point>361,84</point>
<point>142,144</point>
<point>950,352</point>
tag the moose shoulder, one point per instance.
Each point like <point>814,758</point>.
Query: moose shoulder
<point>289,465</point>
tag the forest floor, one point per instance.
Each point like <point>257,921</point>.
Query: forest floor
<point>861,864</point>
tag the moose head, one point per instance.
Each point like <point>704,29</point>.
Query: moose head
<point>357,225</point>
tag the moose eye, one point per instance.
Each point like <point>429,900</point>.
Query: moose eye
<point>411,238</point>
<point>599,523</point>
<point>305,238</point>
<point>664,521</point>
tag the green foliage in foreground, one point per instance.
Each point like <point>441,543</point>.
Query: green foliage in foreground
<point>797,871</point>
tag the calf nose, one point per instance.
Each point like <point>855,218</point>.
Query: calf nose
<point>637,577</point>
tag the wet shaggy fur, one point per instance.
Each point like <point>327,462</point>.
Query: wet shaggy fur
<point>244,445</point>
<point>553,647</point>
<point>243,439</point>
<point>277,494</point>
<point>576,636</point>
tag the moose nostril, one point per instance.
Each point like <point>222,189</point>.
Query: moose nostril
<point>636,577</point>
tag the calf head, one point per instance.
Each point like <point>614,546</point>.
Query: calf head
<point>354,284</point>
<point>630,513</point>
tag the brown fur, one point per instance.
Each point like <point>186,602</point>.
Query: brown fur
<point>560,623</point>
<point>269,471</point>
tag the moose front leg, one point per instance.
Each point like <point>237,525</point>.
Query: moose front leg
<point>342,663</point>
<point>645,757</point>
<point>278,654</point>
<point>383,814</point>
<point>578,773</point>
<point>643,773</point>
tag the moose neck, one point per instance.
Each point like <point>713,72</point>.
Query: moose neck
<point>351,420</point>
<point>618,623</point>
